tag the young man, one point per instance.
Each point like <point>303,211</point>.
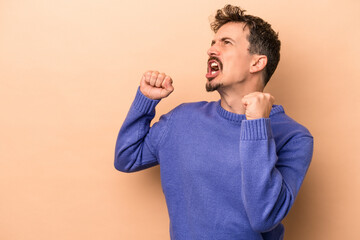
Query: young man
<point>229,169</point>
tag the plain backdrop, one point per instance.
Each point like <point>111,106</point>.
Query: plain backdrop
<point>69,71</point>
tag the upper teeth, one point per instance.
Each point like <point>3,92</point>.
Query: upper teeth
<point>214,64</point>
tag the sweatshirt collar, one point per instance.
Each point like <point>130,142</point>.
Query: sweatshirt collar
<point>234,117</point>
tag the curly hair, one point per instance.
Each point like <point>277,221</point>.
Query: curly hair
<point>262,38</point>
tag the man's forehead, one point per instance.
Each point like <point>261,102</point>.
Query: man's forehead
<point>231,30</point>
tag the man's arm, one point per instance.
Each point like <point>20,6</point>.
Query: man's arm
<point>136,143</point>
<point>270,182</point>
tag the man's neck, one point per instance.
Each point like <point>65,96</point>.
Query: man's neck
<point>231,99</point>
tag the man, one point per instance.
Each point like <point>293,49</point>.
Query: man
<point>229,169</point>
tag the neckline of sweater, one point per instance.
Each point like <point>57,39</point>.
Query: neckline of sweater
<point>234,117</point>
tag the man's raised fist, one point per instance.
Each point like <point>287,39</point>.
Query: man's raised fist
<point>257,105</point>
<point>156,85</point>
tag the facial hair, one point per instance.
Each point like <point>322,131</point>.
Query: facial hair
<point>212,87</point>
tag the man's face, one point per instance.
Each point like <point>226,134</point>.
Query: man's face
<point>229,59</point>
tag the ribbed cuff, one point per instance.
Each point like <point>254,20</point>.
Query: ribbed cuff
<point>257,129</point>
<point>143,103</point>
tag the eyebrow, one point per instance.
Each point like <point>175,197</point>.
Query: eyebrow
<point>222,40</point>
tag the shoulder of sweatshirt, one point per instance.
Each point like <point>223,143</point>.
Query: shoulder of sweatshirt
<point>285,128</point>
<point>190,108</point>
<point>188,113</point>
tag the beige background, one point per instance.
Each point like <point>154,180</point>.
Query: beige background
<point>69,71</point>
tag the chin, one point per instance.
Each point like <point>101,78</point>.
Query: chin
<point>212,86</point>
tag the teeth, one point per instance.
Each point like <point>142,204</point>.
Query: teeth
<point>214,64</point>
<point>213,72</point>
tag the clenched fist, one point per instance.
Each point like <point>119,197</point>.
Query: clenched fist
<point>156,85</point>
<point>257,105</point>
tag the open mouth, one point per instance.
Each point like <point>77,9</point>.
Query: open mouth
<point>214,68</point>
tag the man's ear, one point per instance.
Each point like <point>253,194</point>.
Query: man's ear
<point>258,63</point>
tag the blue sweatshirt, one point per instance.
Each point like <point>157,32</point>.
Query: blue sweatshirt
<point>223,177</point>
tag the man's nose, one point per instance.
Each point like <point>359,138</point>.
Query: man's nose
<point>213,51</point>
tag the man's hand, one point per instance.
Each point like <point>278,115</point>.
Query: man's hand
<point>257,105</point>
<point>156,85</point>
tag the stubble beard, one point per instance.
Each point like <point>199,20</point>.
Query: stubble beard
<point>212,87</point>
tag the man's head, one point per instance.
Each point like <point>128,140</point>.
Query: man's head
<point>248,37</point>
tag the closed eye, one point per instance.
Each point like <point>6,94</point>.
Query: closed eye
<point>225,41</point>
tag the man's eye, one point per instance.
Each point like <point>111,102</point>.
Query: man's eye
<point>227,42</point>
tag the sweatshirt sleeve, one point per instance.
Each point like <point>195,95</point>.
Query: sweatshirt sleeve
<point>136,145</point>
<point>270,180</point>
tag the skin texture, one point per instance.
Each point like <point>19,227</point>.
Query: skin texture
<point>240,81</point>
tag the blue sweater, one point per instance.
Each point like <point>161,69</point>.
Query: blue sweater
<point>223,177</point>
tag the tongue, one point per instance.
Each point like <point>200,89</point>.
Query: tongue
<point>212,74</point>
